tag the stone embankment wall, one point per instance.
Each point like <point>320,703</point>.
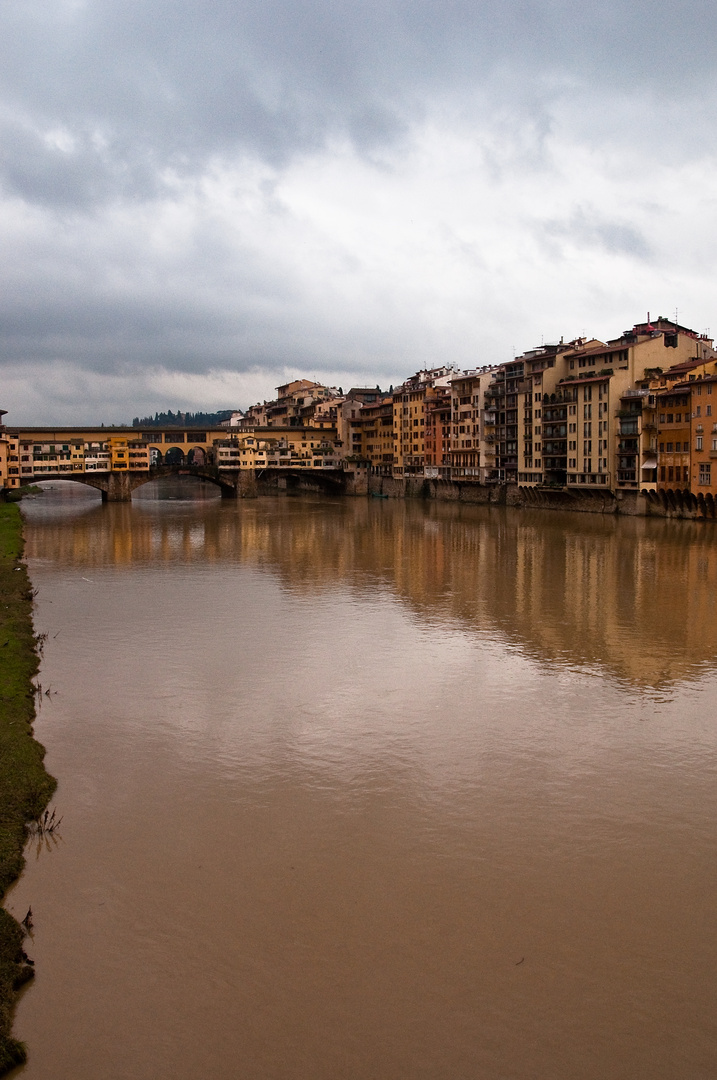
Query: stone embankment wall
<point>670,504</point>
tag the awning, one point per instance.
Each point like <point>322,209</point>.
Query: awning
<point>650,463</point>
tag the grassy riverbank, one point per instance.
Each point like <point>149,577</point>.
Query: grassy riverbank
<point>25,786</point>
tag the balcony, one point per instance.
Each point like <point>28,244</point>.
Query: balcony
<point>583,479</point>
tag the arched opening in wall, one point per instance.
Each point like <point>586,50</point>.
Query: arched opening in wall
<point>155,456</point>
<point>174,456</point>
<point>196,456</point>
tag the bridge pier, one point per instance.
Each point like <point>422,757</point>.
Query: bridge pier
<point>246,484</point>
<point>119,487</point>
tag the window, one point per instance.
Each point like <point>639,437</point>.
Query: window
<point>698,442</point>
<point>662,418</point>
<point>705,471</point>
<point>708,409</point>
<point>698,410</point>
<point>669,448</point>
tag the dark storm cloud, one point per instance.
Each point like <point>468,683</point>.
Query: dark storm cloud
<point>141,87</point>
<point>160,213</point>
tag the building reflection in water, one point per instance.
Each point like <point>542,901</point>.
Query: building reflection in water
<point>633,598</point>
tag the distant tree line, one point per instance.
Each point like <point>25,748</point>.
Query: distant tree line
<point>182,419</point>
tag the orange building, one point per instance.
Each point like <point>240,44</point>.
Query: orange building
<point>437,439</point>
<point>704,436</point>
<point>674,434</point>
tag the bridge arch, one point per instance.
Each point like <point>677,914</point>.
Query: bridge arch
<point>197,456</point>
<point>174,456</point>
<point>118,487</point>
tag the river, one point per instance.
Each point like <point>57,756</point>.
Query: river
<point>359,789</point>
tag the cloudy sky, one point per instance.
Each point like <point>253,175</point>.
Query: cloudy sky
<point>202,198</point>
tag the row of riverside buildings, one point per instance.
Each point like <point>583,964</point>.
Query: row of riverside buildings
<point>634,413</point>
<point>631,414</point>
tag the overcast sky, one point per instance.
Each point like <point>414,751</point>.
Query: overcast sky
<point>200,199</point>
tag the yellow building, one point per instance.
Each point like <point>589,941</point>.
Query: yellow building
<point>409,420</point>
<point>128,454</point>
<point>377,435</point>
<point>4,452</point>
<point>12,461</point>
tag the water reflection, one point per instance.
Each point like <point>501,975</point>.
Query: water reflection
<point>344,794</point>
<point>631,597</point>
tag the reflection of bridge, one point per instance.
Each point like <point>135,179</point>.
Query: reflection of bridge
<point>233,483</point>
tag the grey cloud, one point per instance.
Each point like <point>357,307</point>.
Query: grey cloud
<point>586,228</point>
<point>146,86</point>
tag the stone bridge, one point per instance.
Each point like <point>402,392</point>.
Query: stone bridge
<point>233,483</point>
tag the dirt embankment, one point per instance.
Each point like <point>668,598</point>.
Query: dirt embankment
<point>25,786</point>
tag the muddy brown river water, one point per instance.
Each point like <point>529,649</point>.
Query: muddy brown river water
<point>364,789</point>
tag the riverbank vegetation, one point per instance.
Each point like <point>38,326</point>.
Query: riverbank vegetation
<point>25,786</point>
<point>18,493</point>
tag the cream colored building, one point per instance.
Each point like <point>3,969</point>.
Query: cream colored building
<point>587,408</point>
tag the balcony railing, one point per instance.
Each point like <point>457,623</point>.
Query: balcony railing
<point>581,479</point>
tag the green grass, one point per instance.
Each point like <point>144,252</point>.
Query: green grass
<point>25,786</point>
